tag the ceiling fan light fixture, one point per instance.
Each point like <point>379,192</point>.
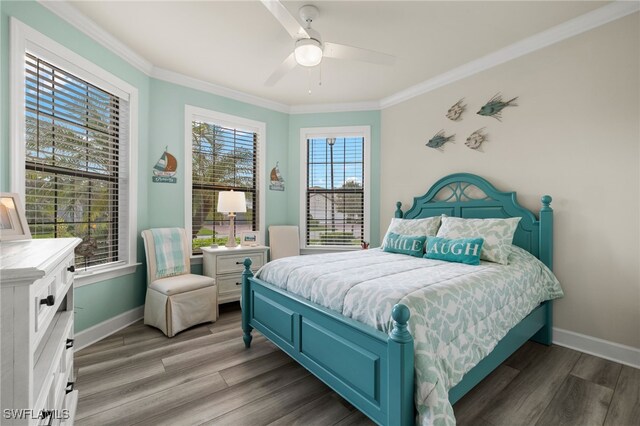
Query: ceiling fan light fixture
<point>308,52</point>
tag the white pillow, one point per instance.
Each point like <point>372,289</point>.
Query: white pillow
<point>427,227</point>
<point>496,233</point>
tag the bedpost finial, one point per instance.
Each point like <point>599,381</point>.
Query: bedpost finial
<point>546,201</point>
<point>398,213</point>
<point>247,263</point>
<point>400,314</point>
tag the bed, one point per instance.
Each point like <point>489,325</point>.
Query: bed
<point>373,367</point>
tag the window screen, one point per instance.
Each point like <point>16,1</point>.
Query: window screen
<point>73,176</point>
<point>335,192</point>
<point>223,159</point>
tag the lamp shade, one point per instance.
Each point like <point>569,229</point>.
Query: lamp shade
<point>231,202</point>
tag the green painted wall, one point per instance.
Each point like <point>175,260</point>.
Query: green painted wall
<point>292,178</point>
<point>161,123</point>
<point>166,201</point>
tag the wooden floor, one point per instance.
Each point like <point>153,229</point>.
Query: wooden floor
<point>205,376</point>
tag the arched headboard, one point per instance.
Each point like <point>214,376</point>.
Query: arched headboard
<point>469,196</point>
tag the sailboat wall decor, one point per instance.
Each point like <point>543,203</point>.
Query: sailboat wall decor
<point>165,169</point>
<point>277,181</point>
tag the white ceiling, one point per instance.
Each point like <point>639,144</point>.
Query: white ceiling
<point>238,44</point>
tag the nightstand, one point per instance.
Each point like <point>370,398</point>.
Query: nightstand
<point>225,265</point>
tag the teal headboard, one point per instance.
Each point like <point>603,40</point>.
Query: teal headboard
<point>470,196</point>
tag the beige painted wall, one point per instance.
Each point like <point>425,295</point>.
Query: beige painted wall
<point>575,136</point>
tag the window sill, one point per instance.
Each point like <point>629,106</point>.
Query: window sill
<point>91,277</point>
<point>319,250</point>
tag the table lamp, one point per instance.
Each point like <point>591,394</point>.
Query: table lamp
<point>231,202</point>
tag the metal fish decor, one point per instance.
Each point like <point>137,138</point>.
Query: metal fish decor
<point>456,110</point>
<point>439,139</point>
<point>494,107</point>
<point>476,138</point>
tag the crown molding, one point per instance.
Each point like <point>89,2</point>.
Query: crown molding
<point>81,22</point>
<point>339,107</point>
<point>216,89</point>
<point>603,15</point>
<point>608,13</point>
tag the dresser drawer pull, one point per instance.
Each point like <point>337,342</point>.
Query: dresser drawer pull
<point>71,268</point>
<point>50,300</point>
<point>69,387</point>
<point>238,283</point>
<point>69,344</point>
<point>239,263</point>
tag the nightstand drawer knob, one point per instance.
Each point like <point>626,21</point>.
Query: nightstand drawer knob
<point>69,343</point>
<point>50,300</point>
<point>238,283</point>
<point>71,268</point>
<point>239,263</point>
<point>69,387</point>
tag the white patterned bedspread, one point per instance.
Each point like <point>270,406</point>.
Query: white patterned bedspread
<point>458,312</point>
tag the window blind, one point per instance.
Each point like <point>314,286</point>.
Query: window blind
<point>335,192</point>
<point>223,159</point>
<point>74,178</point>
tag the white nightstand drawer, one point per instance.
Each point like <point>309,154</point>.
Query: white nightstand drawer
<point>229,285</point>
<point>234,263</point>
<point>225,265</point>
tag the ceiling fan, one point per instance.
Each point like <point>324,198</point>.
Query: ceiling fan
<point>309,48</point>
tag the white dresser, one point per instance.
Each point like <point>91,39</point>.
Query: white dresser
<point>36,339</point>
<point>226,266</point>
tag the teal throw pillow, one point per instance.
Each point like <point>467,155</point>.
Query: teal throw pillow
<point>461,250</point>
<point>405,244</point>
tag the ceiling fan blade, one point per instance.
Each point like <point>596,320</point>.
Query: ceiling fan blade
<point>286,66</point>
<point>285,18</point>
<point>342,51</point>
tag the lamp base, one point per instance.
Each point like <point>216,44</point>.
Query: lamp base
<point>231,242</point>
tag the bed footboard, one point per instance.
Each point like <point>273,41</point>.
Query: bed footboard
<point>372,370</point>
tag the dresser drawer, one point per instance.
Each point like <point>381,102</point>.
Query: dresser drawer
<point>44,300</point>
<point>234,263</point>
<point>50,290</point>
<point>65,274</point>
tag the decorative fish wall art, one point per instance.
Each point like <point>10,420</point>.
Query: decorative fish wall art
<point>455,112</point>
<point>439,139</point>
<point>494,107</point>
<point>476,138</point>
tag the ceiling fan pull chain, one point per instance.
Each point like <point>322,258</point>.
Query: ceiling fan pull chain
<point>309,80</point>
<point>320,71</point>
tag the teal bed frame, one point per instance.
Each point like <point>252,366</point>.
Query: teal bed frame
<point>373,370</point>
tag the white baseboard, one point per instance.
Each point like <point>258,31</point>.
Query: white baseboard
<point>106,328</point>
<point>612,351</point>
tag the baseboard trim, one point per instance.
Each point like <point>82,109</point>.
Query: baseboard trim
<point>106,328</point>
<point>612,351</point>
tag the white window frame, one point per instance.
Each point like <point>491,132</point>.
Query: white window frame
<point>334,132</point>
<point>26,39</point>
<point>192,113</point>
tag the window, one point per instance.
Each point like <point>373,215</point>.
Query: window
<point>72,160</point>
<point>225,155</point>
<point>73,143</point>
<point>336,187</point>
